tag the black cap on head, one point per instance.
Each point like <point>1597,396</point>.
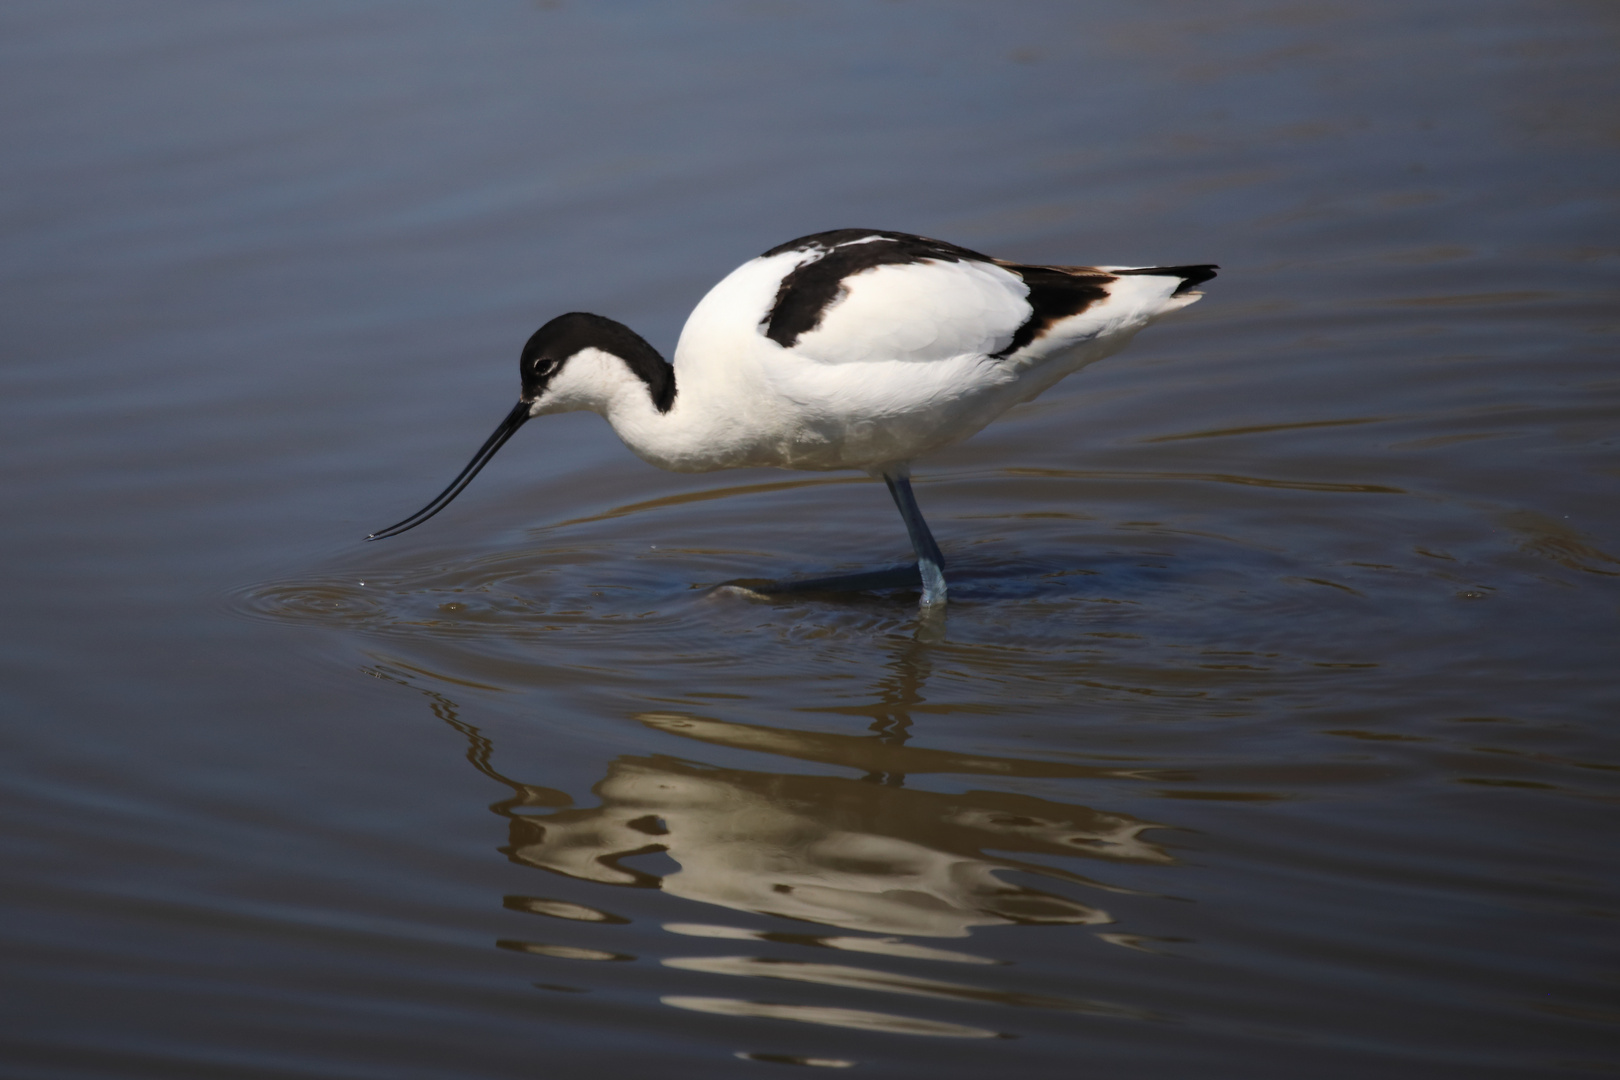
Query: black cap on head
<point>550,346</point>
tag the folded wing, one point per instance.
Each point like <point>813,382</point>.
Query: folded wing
<point>863,295</point>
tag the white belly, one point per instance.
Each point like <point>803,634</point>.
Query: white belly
<point>760,412</point>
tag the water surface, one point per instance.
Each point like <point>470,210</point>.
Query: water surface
<point>1268,732</point>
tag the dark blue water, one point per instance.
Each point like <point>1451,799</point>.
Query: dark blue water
<point>1269,732</point>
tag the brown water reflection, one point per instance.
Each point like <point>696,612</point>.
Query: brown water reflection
<point>862,854</point>
<point>828,850</point>
<point>865,855</point>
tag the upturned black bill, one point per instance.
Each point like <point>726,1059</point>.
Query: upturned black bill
<point>514,420</point>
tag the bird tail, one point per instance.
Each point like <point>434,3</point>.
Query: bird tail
<point>1191,276</point>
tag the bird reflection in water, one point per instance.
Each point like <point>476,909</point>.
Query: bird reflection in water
<point>862,853</point>
<point>830,850</point>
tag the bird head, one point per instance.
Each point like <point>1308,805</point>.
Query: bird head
<point>575,361</point>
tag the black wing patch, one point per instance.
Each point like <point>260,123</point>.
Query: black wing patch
<point>1055,293</point>
<point>809,290</point>
<point>826,241</point>
<point>1191,276</point>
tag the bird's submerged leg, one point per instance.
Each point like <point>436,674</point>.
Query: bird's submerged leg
<point>930,563</point>
<point>928,571</point>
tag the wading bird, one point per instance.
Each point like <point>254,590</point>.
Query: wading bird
<point>851,349</point>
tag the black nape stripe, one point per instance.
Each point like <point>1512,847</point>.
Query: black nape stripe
<point>1055,293</point>
<point>1191,276</point>
<point>551,345</point>
<point>809,290</point>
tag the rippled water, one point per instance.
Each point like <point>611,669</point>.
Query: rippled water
<point>1268,732</point>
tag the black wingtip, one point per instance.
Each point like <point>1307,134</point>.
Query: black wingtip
<point>1191,276</point>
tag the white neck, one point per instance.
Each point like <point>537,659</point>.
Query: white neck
<point>693,435</point>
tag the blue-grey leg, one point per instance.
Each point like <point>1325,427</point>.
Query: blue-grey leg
<point>930,563</point>
<point>928,571</point>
